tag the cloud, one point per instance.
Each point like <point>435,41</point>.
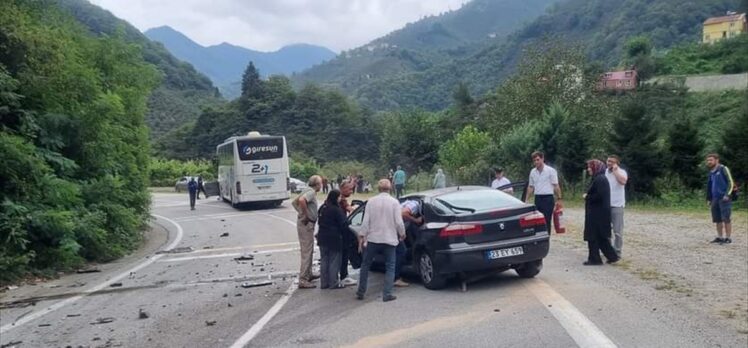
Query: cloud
<point>269,25</point>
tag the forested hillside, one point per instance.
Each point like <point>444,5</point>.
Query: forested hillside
<point>74,144</point>
<point>600,26</point>
<point>425,44</point>
<point>183,91</point>
<point>225,63</point>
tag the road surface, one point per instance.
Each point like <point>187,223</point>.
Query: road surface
<point>195,298</point>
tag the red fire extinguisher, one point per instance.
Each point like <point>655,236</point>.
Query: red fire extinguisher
<point>558,220</point>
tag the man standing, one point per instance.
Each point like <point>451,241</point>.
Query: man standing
<point>718,190</point>
<point>192,189</point>
<point>500,180</point>
<point>617,178</point>
<point>346,190</point>
<point>306,207</point>
<point>544,184</point>
<point>399,179</point>
<point>381,230</point>
<point>440,180</point>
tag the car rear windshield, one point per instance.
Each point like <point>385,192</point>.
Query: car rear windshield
<point>260,149</point>
<point>464,202</point>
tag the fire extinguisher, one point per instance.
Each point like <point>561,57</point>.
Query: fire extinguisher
<point>558,220</point>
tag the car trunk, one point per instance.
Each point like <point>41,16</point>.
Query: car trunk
<point>498,225</point>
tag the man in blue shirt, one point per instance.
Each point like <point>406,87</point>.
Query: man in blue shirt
<point>718,190</point>
<point>399,180</point>
<point>192,188</point>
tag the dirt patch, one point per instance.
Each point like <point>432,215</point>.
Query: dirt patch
<point>672,251</point>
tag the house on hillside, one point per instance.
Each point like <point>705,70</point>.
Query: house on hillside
<point>624,80</point>
<point>724,27</point>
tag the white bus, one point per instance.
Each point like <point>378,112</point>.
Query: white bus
<point>253,168</point>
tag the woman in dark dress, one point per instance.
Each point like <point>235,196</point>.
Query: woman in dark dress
<point>332,224</point>
<point>597,216</point>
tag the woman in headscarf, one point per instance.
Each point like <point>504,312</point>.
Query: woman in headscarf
<point>597,216</point>
<point>332,225</point>
<point>440,180</point>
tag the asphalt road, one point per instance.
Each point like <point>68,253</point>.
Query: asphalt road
<point>196,299</point>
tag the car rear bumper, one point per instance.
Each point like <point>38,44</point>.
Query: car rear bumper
<point>473,257</point>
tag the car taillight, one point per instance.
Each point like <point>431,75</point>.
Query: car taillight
<point>532,220</point>
<point>238,188</point>
<point>458,230</point>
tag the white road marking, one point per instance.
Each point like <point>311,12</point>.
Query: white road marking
<point>248,247</point>
<point>293,223</point>
<point>188,258</point>
<point>96,288</point>
<point>583,331</point>
<point>260,324</point>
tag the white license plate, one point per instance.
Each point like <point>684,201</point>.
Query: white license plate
<point>497,254</point>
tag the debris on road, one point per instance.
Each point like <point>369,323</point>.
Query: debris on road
<point>176,250</point>
<point>230,305</point>
<point>245,257</point>
<point>12,344</point>
<point>44,325</point>
<point>73,315</point>
<point>210,322</point>
<point>208,247</point>
<point>247,285</point>
<point>106,320</point>
<point>225,295</point>
<point>142,314</point>
<point>224,234</point>
<point>115,285</point>
<point>76,285</point>
<point>88,270</point>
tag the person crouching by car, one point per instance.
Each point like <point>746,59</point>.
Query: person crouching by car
<point>192,189</point>
<point>332,225</point>
<point>597,216</point>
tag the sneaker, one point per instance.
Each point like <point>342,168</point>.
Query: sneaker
<point>401,283</point>
<point>717,240</point>
<point>389,298</point>
<point>348,281</point>
<point>727,241</point>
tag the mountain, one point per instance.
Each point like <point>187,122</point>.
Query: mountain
<point>183,91</point>
<point>425,44</point>
<point>225,63</point>
<point>602,27</point>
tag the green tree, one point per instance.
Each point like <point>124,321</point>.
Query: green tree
<point>251,82</point>
<point>685,148</point>
<point>465,156</point>
<point>634,139</point>
<point>735,148</point>
<point>410,139</point>
<point>639,55</point>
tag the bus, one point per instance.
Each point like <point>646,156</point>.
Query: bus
<point>253,169</point>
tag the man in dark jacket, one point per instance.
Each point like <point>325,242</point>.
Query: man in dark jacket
<point>201,187</point>
<point>332,225</point>
<point>597,216</point>
<point>192,188</point>
<point>719,187</point>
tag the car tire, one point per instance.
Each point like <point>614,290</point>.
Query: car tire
<point>429,272</point>
<point>529,269</point>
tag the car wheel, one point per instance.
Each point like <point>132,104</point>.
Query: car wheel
<point>530,269</point>
<point>429,273</point>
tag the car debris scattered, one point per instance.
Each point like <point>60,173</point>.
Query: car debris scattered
<point>106,320</point>
<point>247,285</point>
<point>73,315</point>
<point>142,314</point>
<point>176,250</point>
<point>115,285</point>
<point>224,234</point>
<point>88,270</point>
<point>44,325</point>
<point>245,257</point>
<point>11,344</point>
<point>210,322</point>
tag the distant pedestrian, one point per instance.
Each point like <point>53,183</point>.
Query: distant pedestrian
<point>719,189</point>
<point>399,179</point>
<point>192,189</point>
<point>201,187</point>
<point>332,226</point>
<point>325,188</point>
<point>597,216</point>
<point>381,230</point>
<point>617,178</point>
<point>544,184</point>
<point>346,190</point>
<point>500,181</point>
<point>440,180</point>
<point>390,176</point>
<point>306,208</point>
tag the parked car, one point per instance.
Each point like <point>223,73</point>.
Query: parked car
<point>181,184</point>
<point>472,229</point>
<point>296,185</point>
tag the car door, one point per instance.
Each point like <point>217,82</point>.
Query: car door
<point>516,189</point>
<point>356,218</point>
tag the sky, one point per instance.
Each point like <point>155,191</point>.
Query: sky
<point>267,25</point>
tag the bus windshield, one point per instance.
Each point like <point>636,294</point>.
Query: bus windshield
<point>260,149</point>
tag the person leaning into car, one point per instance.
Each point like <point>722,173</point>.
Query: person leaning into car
<point>411,212</point>
<point>543,184</point>
<point>381,230</point>
<point>306,207</point>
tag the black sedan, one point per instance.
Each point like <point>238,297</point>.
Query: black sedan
<point>472,229</point>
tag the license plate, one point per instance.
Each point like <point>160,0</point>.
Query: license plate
<point>497,254</point>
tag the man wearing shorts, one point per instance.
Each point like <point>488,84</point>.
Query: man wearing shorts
<point>718,190</point>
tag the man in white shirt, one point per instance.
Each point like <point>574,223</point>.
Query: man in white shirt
<point>381,231</point>
<point>500,180</point>
<point>617,178</point>
<point>543,185</point>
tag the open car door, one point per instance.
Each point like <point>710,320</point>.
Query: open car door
<point>355,220</point>
<point>516,189</point>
